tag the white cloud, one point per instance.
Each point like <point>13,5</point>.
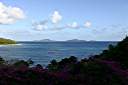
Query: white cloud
<point>73,25</point>
<point>9,15</point>
<point>87,24</point>
<point>56,17</point>
<point>39,26</point>
<point>42,26</point>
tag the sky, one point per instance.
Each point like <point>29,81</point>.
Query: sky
<point>27,20</point>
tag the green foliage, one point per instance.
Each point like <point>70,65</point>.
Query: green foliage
<point>53,66</point>
<point>118,53</point>
<point>2,61</point>
<point>7,41</point>
<point>54,62</point>
<point>30,62</point>
<point>57,66</point>
<point>21,63</point>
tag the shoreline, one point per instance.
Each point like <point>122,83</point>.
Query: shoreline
<point>4,45</point>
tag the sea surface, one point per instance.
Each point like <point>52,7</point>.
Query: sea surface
<point>43,52</point>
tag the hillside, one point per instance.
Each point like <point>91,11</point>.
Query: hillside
<point>4,41</point>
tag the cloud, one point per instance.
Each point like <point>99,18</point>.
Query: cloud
<point>42,26</point>
<point>87,24</point>
<point>9,15</point>
<point>56,17</point>
<point>39,26</point>
<point>73,25</point>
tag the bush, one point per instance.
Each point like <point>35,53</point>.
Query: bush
<point>21,63</point>
<point>2,61</point>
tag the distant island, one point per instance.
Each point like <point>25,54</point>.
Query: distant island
<point>48,40</point>
<point>4,41</point>
<point>45,40</point>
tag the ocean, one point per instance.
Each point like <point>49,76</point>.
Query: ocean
<point>43,52</point>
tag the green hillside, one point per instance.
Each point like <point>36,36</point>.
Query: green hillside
<point>4,41</point>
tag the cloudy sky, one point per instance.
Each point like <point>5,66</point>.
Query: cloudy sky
<point>64,19</point>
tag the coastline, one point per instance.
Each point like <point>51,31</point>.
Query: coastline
<point>4,45</point>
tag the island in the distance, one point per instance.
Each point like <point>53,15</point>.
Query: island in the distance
<point>4,41</point>
<point>45,40</point>
<point>48,40</point>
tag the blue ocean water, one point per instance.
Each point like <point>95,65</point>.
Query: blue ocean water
<point>43,52</point>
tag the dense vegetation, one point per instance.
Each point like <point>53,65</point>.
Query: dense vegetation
<point>6,41</point>
<point>107,68</point>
